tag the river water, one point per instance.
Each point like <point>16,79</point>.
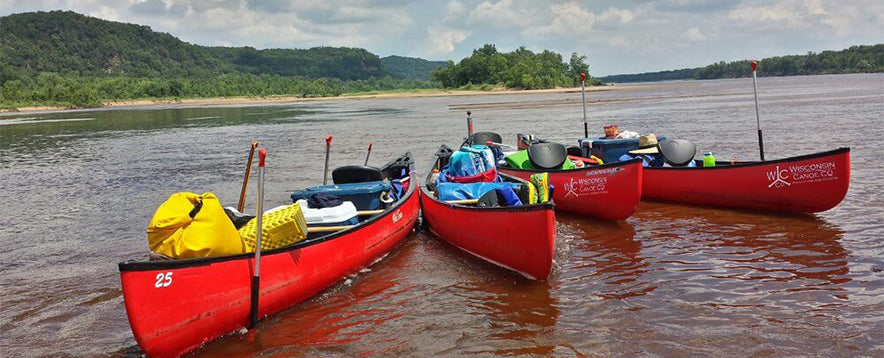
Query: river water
<point>78,188</point>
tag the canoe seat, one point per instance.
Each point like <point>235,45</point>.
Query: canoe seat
<point>574,150</point>
<point>356,174</point>
<point>677,152</point>
<point>481,138</point>
<point>547,155</point>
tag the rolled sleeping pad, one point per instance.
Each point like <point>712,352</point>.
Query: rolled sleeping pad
<point>547,155</point>
<point>677,152</point>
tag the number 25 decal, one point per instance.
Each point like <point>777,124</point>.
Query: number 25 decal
<point>163,280</point>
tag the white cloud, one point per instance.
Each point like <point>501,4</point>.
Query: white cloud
<point>454,10</point>
<point>106,13</point>
<point>622,16</point>
<point>571,18</point>
<point>443,41</point>
<point>618,36</point>
<point>502,14</point>
<point>787,13</point>
<point>693,35</point>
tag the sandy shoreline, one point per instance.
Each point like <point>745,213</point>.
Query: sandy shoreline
<point>245,100</point>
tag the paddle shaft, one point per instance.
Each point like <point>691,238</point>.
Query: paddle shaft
<point>368,153</point>
<point>256,274</point>
<point>583,92</point>
<point>469,125</point>
<point>757,115</point>
<point>462,201</point>
<point>328,228</point>
<point>245,180</point>
<point>490,143</point>
<point>327,151</point>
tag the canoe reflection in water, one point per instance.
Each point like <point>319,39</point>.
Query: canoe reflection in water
<point>722,276</point>
<point>467,306</point>
<point>680,244</point>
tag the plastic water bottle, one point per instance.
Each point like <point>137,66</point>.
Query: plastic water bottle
<point>708,160</point>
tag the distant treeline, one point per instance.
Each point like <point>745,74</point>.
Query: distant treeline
<point>54,89</point>
<point>411,68</point>
<point>652,76</point>
<point>64,58</point>
<point>517,69</point>
<point>856,59</point>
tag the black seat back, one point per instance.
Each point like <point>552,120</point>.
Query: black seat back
<point>356,174</point>
<point>677,152</point>
<point>483,138</point>
<point>575,151</point>
<point>547,155</point>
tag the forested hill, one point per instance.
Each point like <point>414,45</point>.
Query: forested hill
<point>67,59</point>
<point>69,43</point>
<point>410,68</point>
<point>856,59</point>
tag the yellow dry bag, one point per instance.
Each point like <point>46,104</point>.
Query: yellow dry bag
<point>189,225</point>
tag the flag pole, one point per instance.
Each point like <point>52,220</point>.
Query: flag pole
<point>583,91</point>
<point>757,116</point>
<point>256,273</point>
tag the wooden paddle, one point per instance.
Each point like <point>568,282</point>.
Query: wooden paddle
<point>368,153</point>
<point>327,151</point>
<point>462,201</point>
<point>328,228</point>
<point>245,179</point>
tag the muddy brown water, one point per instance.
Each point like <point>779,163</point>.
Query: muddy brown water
<point>78,188</point>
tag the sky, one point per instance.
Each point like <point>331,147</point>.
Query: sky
<point>626,36</point>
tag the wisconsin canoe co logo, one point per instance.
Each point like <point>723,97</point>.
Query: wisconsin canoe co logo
<point>800,174</point>
<point>397,215</point>
<point>594,183</point>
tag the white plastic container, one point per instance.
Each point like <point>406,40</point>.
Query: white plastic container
<point>344,214</point>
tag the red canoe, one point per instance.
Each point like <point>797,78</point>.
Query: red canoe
<point>519,238</point>
<point>608,191</point>
<point>805,184</point>
<point>175,306</point>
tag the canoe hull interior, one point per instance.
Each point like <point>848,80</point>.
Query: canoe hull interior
<point>610,191</point>
<point>521,238</point>
<point>176,306</point>
<point>804,184</point>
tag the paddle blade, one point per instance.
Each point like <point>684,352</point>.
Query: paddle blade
<point>582,77</point>
<point>262,153</point>
<point>754,65</point>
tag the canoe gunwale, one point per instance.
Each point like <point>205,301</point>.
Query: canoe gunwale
<point>521,208</point>
<point>758,163</point>
<point>135,265</point>
<point>575,170</point>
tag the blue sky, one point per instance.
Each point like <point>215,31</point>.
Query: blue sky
<point>626,36</point>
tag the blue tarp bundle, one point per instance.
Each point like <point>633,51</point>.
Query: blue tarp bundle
<point>459,191</point>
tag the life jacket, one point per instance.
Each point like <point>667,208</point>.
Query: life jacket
<point>189,225</point>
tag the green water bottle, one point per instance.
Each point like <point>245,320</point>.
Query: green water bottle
<point>708,160</point>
